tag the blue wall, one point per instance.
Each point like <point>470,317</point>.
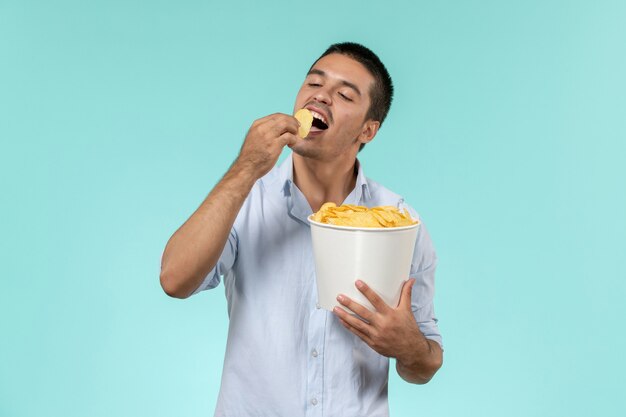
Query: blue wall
<point>507,134</point>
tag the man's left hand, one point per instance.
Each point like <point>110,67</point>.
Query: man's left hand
<point>392,332</point>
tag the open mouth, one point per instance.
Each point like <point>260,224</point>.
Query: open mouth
<point>319,121</point>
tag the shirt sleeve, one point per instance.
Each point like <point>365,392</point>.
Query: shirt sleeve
<point>224,263</point>
<point>423,268</point>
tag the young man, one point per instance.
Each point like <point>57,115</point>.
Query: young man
<point>285,356</point>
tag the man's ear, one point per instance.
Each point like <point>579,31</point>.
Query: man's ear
<point>370,128</point>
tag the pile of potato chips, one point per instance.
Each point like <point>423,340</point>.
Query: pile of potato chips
<point>360,216</point>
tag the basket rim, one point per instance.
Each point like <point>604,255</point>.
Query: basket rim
<point>364,229</point>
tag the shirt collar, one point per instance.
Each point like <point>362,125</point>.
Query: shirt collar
<point>361,183</point>
<point>361,189</point>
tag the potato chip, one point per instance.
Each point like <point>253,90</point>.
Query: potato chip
<point>360,216</point>
<point>305,118</point>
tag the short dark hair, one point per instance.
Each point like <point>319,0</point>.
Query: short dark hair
<point>381,93</point>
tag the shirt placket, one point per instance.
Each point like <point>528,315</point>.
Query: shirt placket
<point>315,357</point>
<point>299,209</point>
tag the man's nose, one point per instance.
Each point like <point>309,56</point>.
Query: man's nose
<point>322,96</point>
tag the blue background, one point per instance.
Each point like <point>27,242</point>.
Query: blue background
<point>507,134</point>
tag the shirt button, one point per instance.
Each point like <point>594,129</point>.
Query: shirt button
<point>314,353</point>
<point>314,401</point>
<point>317,305</point>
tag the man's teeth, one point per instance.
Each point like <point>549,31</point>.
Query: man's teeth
<point>319,116</point>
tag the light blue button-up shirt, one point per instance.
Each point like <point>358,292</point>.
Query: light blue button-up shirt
<point>284,355</point>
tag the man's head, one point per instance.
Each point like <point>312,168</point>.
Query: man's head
<point>381,91</point>
<point>351,89</point>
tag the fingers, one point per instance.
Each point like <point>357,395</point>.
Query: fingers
<point>405,296</point>
<point>277,124</point>
<point>356,307</point>
<point>356,331</point>
<point>351,320</point>
<point>372,297</point>
<point>275,129</point>
<point>287,139</point>
<point>265,140</point>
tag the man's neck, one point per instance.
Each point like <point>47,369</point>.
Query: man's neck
<point>323,182</point>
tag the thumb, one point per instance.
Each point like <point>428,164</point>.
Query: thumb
<point>407,290</point>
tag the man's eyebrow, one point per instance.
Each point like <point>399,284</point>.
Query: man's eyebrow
<point>316,72</point>
<point>344,82</point>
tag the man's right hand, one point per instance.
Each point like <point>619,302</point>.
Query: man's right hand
<point>265,141</point>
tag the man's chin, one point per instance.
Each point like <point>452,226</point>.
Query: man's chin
<point>305,150</point>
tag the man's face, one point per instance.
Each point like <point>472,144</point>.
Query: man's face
<point>337,91</point>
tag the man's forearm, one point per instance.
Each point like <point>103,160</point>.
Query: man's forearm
<point>419,366</point>
<point>193,250</point>
<point>196,246</point>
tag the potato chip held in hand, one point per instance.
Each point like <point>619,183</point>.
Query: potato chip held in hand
<point>305,118</point>
<point>360,216</point>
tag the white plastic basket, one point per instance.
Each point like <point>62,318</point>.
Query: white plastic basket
<point>381,257</point>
